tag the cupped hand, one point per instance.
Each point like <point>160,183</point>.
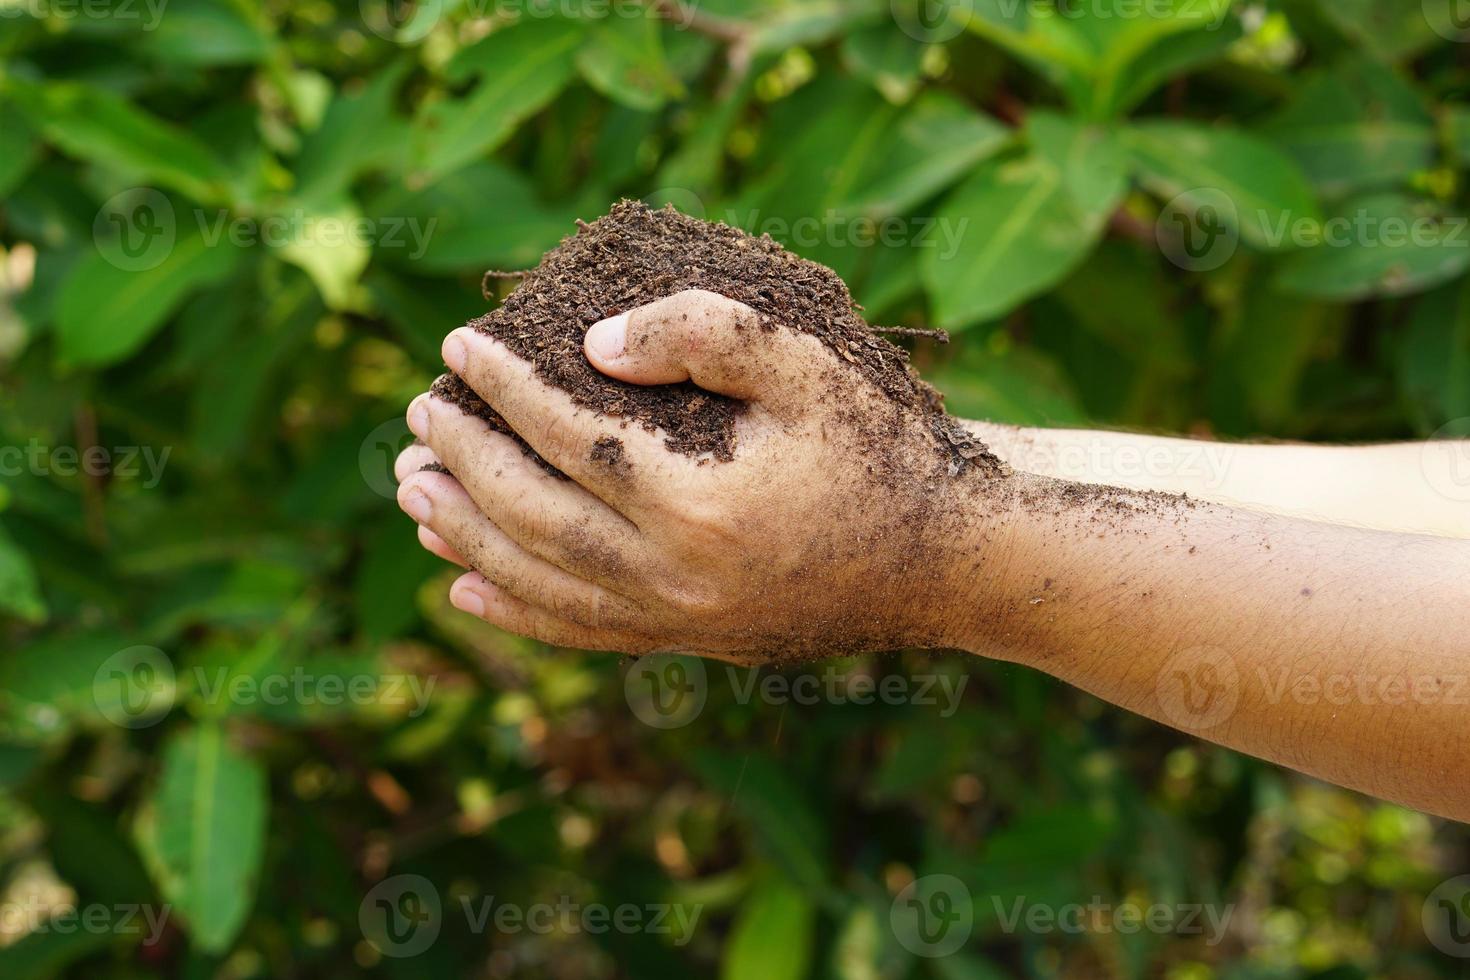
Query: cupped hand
<point>835,528</point>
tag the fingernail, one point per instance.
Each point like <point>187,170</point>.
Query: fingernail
<point>417,505</point>
<point>468,601</point>
<point>456,355</point>
<point>606,339</point>
<point>418,417</point>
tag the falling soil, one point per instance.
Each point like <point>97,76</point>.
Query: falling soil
<point>636,255</point>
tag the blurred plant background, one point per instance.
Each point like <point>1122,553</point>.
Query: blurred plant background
<point>233,233</point>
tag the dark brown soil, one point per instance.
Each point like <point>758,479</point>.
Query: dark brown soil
<point>636,255</point>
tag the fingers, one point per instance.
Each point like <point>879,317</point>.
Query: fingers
<point>479,597</point>
<point>436,545</point>
<point>552,518</point>
<point>438,502</point>
<point>546,418</point>
<point>717,343</point>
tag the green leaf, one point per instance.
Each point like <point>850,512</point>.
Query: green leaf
<point>1393,29</point>
<point>1168,58</point>
<point>776,809</point>
<point>360,132</point>
<point>772,936</point>
<point>106,313</point>
<point>1017,386</point>
<point>331,243</point>
<point>1434,359</point>
<point>20,592</point>
<point>19,149</point>
<point>1356,126</point>
<point>446,232</point>
<point>623,58</point>
<point>887,58</point>
<point>810,23</point>
<point>1384,245</point>
<point>108,130</point>
<point>1268,192</point>
<point>206,33</point>
<point>79,680</point>
<point>202,833</point>
<point>521,67</point>
<point>1023,223</point>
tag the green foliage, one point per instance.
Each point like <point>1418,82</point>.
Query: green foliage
<point>233,234</point>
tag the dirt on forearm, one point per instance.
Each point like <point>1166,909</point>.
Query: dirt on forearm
<point>636,255</point>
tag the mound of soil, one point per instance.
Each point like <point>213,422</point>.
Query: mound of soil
<point>635,255</point>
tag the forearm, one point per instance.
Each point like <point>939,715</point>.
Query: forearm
<point>1416,487</point>
<point>1341,652</point>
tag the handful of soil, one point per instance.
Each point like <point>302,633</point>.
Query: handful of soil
<point>635,255</point>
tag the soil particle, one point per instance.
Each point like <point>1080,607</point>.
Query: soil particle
<point>609,450</point>
<point>636,255</point>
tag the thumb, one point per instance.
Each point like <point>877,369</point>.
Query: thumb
<point>695,335</point>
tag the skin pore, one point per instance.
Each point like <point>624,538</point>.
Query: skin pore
<point>1285,607</point>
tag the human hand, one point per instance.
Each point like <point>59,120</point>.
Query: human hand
<point>838,527</point>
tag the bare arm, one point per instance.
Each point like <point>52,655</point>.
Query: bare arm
<point>1422,486</point>
<point>1340,652</point>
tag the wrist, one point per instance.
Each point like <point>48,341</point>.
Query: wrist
<point>993,593</point>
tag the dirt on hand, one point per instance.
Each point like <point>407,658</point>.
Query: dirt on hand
<point>636,255</point>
